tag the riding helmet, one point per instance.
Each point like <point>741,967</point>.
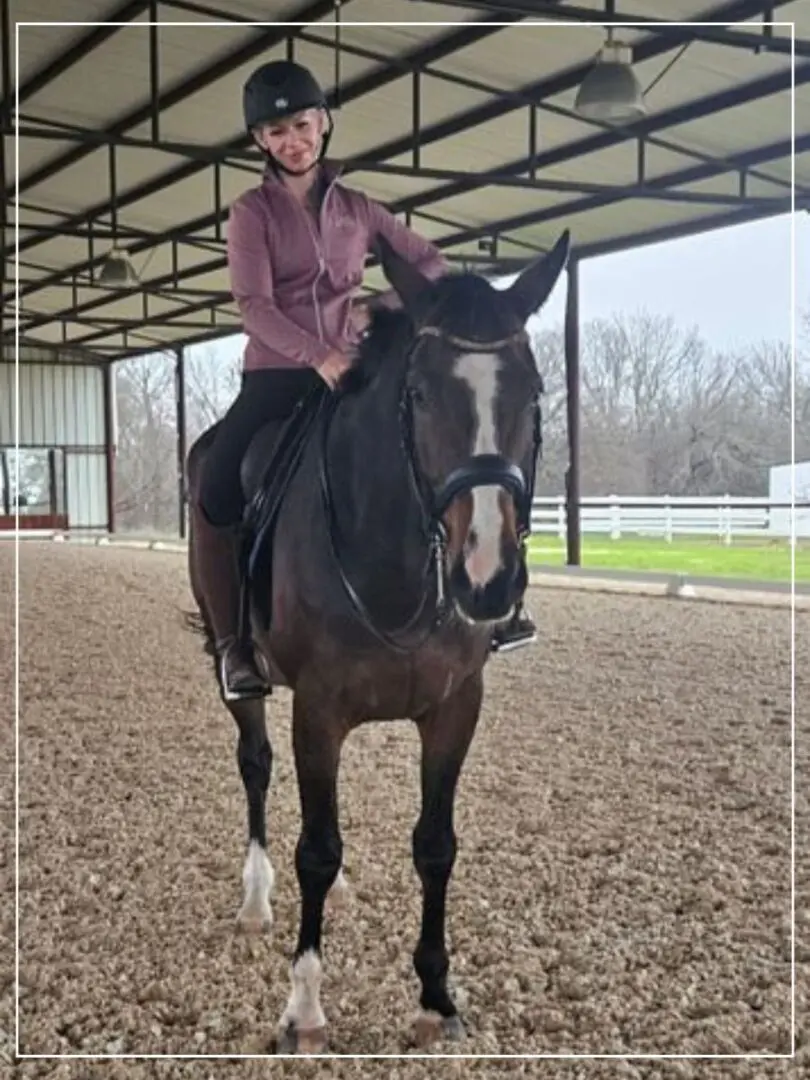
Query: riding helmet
<point>277,89</point>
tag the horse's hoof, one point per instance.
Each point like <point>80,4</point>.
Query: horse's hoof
<point>255,918</point>
<point>254,927</point>
<point>432,1026</point>
<point>292,1041</point>
<point>453,1029</point>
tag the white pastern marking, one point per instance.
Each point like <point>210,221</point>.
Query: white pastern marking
<point>304,1010</point>
<point>339,893</point>
<point>480,372</point>
<point>257,879</point>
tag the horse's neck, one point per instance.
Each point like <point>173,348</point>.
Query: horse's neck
<point>375,504</point>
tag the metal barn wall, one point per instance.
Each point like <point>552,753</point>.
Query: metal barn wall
<point>62,408</point>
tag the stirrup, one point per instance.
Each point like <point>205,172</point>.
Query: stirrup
<point>249,682</point>
<point>515,634</point>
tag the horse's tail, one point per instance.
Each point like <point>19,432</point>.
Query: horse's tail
<point>197,622</point>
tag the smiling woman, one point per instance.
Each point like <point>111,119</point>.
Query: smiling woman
<point>297,246</point>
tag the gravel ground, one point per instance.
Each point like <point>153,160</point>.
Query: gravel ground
<point>623,875</point>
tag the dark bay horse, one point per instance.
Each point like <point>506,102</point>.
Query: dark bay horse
<point>398,545</point>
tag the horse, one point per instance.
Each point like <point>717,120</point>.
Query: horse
<point>398,544</point>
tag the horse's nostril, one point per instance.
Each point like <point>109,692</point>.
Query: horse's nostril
<point>472,538</point>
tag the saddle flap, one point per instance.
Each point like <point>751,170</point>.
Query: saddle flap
<point>266,482</point>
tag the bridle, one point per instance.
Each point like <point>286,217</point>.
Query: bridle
<point>479,470</point>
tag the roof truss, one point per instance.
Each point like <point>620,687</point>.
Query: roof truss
<point>187,299</point>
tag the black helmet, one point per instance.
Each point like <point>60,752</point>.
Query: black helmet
<point>279,89</point>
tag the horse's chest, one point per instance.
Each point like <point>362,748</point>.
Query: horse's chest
<point>402,687</point>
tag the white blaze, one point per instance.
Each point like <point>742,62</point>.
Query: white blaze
<point>483,556</point>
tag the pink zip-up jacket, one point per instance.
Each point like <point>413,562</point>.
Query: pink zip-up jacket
<point>295,282</point>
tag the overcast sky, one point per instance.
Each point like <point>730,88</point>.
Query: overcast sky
<point>733,284</point>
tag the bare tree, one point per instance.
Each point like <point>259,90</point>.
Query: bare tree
<point>212,382</point>
<point>549,352</point>
<point>146,484</point>
<point>663,414</point>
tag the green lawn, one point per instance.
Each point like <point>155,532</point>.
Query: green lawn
<point>698,556</point>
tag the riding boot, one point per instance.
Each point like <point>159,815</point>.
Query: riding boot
<point>217,565</point>
<point>517,631</point>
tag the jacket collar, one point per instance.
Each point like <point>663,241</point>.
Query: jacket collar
<point>331,169</point>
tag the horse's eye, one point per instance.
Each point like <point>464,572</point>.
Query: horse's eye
<point>417,394</point>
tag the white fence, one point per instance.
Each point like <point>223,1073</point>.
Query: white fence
<point>725,518</point>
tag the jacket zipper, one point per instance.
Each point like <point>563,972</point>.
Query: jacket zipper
<point>321,260</point>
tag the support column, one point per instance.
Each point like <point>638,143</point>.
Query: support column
<point>572,379</point>
<point>109,442</point>
<point>180,426</point>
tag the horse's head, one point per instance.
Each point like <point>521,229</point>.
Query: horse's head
<point>470,412</point>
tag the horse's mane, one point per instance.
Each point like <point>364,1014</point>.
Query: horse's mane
<point>389,331</point>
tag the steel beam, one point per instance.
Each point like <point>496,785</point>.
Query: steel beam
<point>550,86</point>
<point>196,270</point>
<point>164,320</point>
<point>365,84</point>
<point>443,46</point>
<point>658,235</point>
<point>573,415</point>
<point>725,99</point>
<point>752,41</point>
<point>5,220</point>
<point>453,223</point>
<point>83,48</point>
<point>235,158</point>
<point>683,176</point>
<point>206,10</point>
<point>180,427</point>
<point>154,70</point>
<point>518,98</point>
<point>7,104</point>
<point>132,352</point>
<point>122,232</point>
<point>109,447</point>
<point>582,187</point>
<point>112,295</point>
<point>263,40</point>
<point>737,8</point>
<point>693,174</point>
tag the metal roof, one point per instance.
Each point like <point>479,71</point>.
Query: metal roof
<point>132,132</point>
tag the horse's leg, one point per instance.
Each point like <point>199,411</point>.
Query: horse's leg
<point>255,757</point>
<point>317,739</point>
<point>446,733</point>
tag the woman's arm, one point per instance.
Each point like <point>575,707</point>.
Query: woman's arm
<point>412,247</point>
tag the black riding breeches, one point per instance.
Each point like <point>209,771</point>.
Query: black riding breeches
<point>269,394</point>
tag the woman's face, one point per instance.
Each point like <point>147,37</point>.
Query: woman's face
<point>295,141</point>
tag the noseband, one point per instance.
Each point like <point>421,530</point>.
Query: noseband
<point>480,470</point>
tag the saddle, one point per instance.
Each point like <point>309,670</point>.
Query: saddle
<point>265,494</point>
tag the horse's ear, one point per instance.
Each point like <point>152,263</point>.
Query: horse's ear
<point>531,290</point>
<point>408,282</point>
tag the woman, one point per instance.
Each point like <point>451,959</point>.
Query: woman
<point>297,245</point>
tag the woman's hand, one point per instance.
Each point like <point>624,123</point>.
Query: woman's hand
<point>360,318</point>
<point>332,367</point>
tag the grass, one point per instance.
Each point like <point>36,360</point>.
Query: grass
<point>764,560</point>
